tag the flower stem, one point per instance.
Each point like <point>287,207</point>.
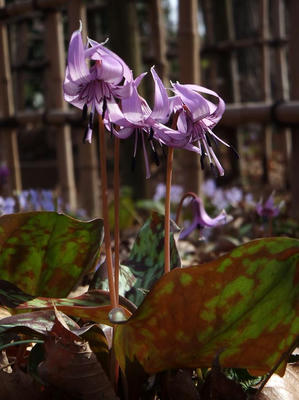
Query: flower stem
<point>116,184</point>
<point>179,209</point>
<point>104,188</point>
<point>167,211</point>
<point>167,202</point>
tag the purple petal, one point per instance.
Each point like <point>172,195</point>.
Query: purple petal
<point>161,110</point>
<point>77,68</point>
<point>108,69</point>
<point>186,232</point>
<point>132,107</point>
<point>103,51</point>
<point>196,103</point>
<point>115,114</point>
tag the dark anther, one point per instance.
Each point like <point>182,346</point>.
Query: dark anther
<point>84,112</point>
<point>104,107</point>
<point>208,140</point>
<point>85,135</point>
<point>90,121</point>
<point>151,135</point>
<point>202,161</point>
<point>133,164</point>
<point>214,170</point>
<point>235,152</point>
<point>198,226</point>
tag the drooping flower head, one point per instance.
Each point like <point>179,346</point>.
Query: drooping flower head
<point>201,219</point>
<point>135,117</point>
<point>92,88</point>
<point>197,117</point>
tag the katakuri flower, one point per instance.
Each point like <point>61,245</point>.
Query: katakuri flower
<point>197,117</point>
<point>135,117</point>
<point>268,209</point>
<point>92,88</point>
<point>201,219</point>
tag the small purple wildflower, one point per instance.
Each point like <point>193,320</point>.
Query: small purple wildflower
<point>268,209</point>
<point>197,117</point>
<point>202,219</point>
<point>96,87</point>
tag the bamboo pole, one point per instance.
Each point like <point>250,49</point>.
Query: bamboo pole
<point>54,43</point>
<point>159,39</point>
<point>88,182</point>
<point>188,42</point>
<point>286,113</point>
<point>294,78</point>
<point>9,153</point>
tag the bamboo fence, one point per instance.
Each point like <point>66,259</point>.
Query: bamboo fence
<point>66,122</point>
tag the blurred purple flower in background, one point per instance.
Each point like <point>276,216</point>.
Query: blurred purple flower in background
<point>268,209</point>
<point>202,219</point>
<point>96,87</point>
<point>175,193</point>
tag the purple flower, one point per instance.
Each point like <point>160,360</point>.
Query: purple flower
<point>135,117</point>
<point>95,87</point>
<point>268,209</point>
<point>202,219</point>
<point>197,118</point>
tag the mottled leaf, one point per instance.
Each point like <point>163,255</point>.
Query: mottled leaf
<point>45,253</point>
<point>93,305</point>
<point>146,260</point>
<point>11,295</point>
<point>243,305</point>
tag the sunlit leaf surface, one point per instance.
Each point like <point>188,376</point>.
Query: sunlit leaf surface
<point>243,306</point>
<point>45,253</point>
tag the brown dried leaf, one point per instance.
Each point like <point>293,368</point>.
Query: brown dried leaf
<point>16,385</point>
<point>178,385</point>
<point>282,388</point>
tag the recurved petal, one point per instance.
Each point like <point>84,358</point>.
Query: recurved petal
<point>116,116</point>
<point>102,51</point>
<point>196,103</point>
<point>161,110</point>
<point>186,232</point>
<point>109,69</point>
<point>77,68</point>
<point>132,107</point>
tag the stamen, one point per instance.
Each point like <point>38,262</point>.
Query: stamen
<point>84,112</point>
<point>87,135</point>
<point>90,121</point>
<point>104,107</point>
<point>151,135</point>
<point>155,154</point>
<point>202,161</point>
<point>214,170</point>
<point>208,139</point>
<point>234,151</point>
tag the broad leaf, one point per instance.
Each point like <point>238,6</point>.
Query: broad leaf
<point>45,253</point>
<point>94,305</point>
<point>146,260</point>
<point>243,306</point>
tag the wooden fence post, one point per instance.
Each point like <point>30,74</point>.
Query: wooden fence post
<point>54,44</point>
<point>294,78</point>
<point>88,184</point>
<point>9,154</point>
<point>187,171</point>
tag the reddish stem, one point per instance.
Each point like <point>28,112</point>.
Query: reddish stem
<point>167,202</point>
<point>116,183</point>
<point>179,209</point>
<point>104,188</point>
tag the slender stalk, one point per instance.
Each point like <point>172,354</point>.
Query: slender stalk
<point>4,346</point>
<point>167,211</point>
<point>167,202</point>
<point>116,183</point>
<point>104,189</point>
<point>180,206</point>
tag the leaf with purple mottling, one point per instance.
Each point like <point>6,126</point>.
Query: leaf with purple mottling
<point>45,253</point>
<point>243,306</point>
